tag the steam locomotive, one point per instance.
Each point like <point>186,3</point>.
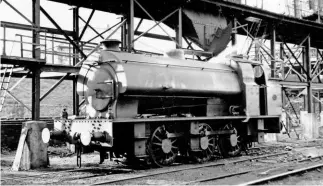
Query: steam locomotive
<point>161,107</point>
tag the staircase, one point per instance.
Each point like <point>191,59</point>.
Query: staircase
<point>6,72</point>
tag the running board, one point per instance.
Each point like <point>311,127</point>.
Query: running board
<point>133,120</point>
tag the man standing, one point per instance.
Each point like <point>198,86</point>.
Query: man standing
<point>64,114</point>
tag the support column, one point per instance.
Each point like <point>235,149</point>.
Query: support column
<point>284,101</point>
<point>302,72</point>
<point>303,60</point>
<point>179,30</point>
<point>75,59</point>
<point>320,104</point>
<point>272,48</point>
<point>123,36</point>
<point>281,56</point>
<point>257,50</point>
<point>35,109</point>
<point>4,41</point>
<point>234,33</point>
<point>309,79</point>
<point>320,92</point>
<point>297,8</point>
<point>318,12</point>
<point>130,25</point>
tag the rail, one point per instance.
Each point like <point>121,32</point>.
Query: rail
<point>53,48</point>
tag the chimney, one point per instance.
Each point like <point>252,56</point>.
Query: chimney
<point>111,44</point>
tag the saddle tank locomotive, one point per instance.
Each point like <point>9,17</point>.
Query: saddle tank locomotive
<point>160,107</point>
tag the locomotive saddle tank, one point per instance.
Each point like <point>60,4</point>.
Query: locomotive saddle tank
<point>124,74</point>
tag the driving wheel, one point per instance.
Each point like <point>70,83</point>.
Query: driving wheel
<point>162,147</point>
<point>230,145</point>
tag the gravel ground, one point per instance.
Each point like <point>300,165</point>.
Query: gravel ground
<point>308,178</point>
<point>61,159</point>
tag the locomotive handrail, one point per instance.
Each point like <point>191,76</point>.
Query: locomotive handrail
<point>170,65</point>
<point>198,53</point>
<point>241,60</point>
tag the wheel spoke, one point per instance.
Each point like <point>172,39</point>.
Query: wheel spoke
<point>208,148</point>
<point>159,144</point>
<point>211,141</point>
<point>155,136</point>
<point>174,147</point>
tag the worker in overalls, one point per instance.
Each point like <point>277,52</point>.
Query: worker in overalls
<point>64,114</point>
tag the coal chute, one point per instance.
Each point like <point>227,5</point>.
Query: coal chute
<point>210,32</point>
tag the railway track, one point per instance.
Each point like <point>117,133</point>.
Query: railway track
<point>213,178</point>
<point>269,178</point>
<point>95,175</point>
<point>281,175</point>
<point>187,168</point>
<point>46,175</point>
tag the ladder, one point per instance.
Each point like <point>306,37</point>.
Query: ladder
<point>6,72</point>
<point>255,27</point>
